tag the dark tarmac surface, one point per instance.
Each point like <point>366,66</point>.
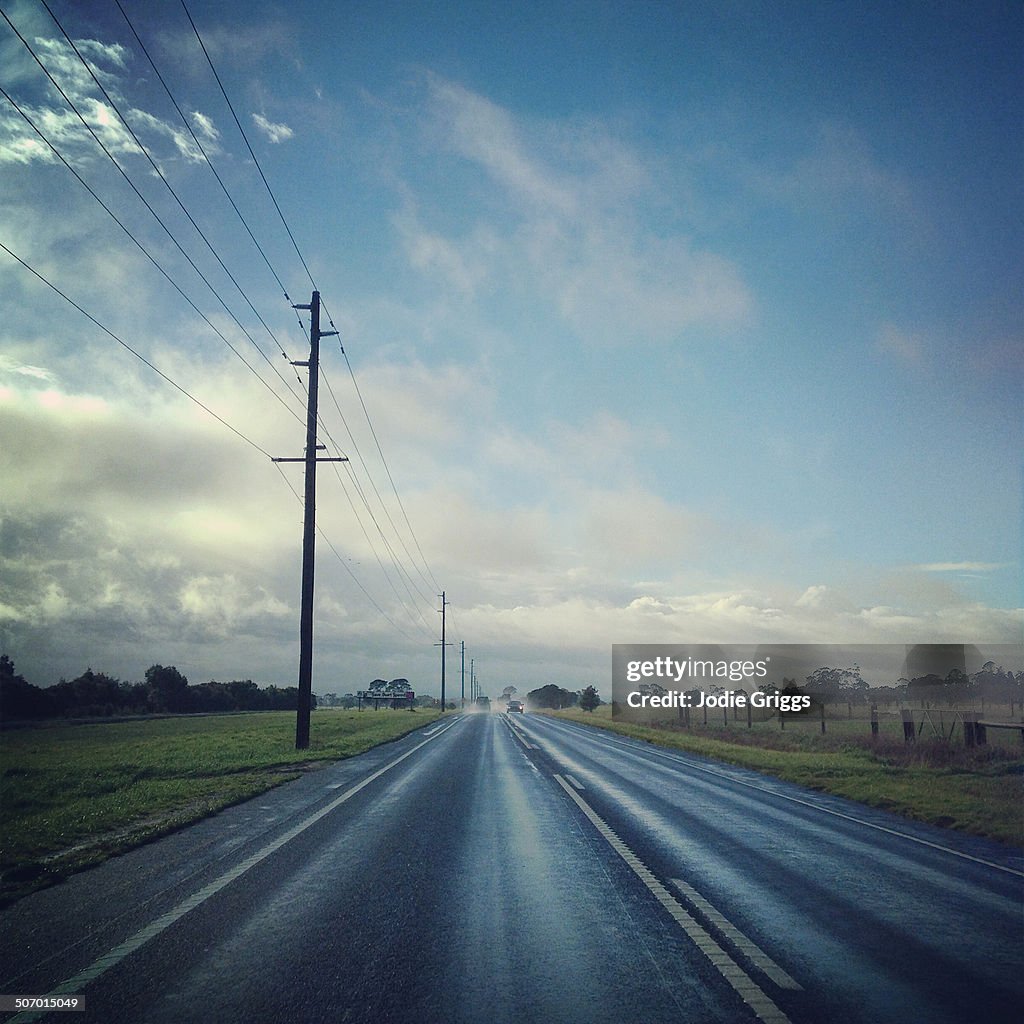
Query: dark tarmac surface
<point>490,869</point>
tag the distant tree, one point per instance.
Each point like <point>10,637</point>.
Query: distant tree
<point>91,694</point>
<point>168,688</point>
<point>838,684</point>
<point>589,699</point>
<point>927,688</point>
<point>19,698</point>
<point>995,684</point>
<point>507,693</point>
<point>958,686</point>
<point>552,696</point>
<point>246,696</point>
<point>211,696</point>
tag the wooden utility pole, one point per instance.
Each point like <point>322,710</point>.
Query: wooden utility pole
<point>309,521</point>
<point>463,643</point>
<point>444,605</point>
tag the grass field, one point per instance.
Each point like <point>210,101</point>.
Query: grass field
<point>979,791</point>
<point>72,795</point>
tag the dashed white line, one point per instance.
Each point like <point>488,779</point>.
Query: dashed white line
<point>753,952</point>
<point>514,729</point>
<point>745,987</point>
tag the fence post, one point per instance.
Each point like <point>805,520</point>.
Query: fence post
<point>970,721</point>
<point>908,725</point>
<point>750,717</point>
<point>823,718</point>
<point>874,721</point>
<point>980,734</point>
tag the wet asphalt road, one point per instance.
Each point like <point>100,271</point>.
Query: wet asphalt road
<point>496,869</point>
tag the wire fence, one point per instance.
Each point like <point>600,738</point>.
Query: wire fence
<point>971,724</point>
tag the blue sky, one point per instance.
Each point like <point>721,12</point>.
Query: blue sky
<point>675,323</point>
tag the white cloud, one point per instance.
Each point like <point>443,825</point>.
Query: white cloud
<point>578,235</point>
<point>488,135</point>
<point>274,132</point>
<point>13,366</point>
<point>462,266</point>
<point>812,597</point>
<point>204,126</point>
<point>838,167</point>
<point>59,124</point>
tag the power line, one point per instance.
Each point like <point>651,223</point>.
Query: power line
<point>160,174</point>
<point>141,247</point>
<point>376,553</point>
<point>431,582</point>
<point>213,169</point>
<point>366,470</point>
<point>209,245</point>
<point>270,191</point>
<point>220,419</point>
<point>344,563</point>
<point>380,452</point>
<point>138,355</point>
<point>245,138</point>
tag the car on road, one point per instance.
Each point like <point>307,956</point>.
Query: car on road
<point>515,706</point>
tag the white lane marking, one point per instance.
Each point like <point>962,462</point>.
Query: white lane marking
<point>579,785</point>
<point>746,988</point>
<point>816,807</point>
<point>753,952</point>
<point>161,924</point>
<point>514,729</point>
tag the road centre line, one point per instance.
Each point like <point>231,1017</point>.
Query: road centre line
<point>161,924</point>
<point>745,987</point>
<point>519,736</point>
<point>751,950</point>
<point>579,785</point>
<point>818,807</point>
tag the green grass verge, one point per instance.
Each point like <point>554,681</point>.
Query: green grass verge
<point>73,795</point>
<point>980,792</point>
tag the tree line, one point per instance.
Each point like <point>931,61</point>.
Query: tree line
<point>990,683</point>
<point>164,691</point>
